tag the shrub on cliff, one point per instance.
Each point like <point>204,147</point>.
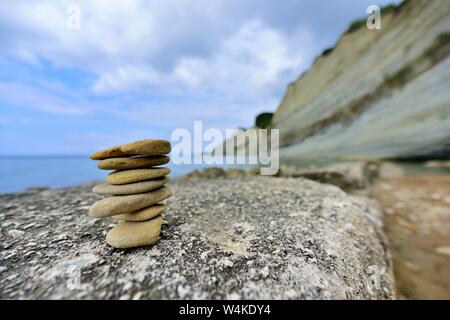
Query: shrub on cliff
<point>264,120</point>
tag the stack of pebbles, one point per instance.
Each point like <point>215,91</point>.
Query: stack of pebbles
<point>135,190</point>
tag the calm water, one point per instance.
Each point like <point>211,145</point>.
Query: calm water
<point>19,173</point>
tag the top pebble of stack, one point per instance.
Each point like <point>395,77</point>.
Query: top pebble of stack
<point>142,147</point>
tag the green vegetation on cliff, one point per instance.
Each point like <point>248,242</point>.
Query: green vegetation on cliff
<point>264,120</point>
<point>360,22</point>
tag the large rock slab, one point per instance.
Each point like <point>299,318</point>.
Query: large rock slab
<point>348,176</point>
<point>248,238</point>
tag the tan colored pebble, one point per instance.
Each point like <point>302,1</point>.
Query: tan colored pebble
<point>134,234</point>
<point>141,147</point>
<point>132,162</point>
<point>136,175</point>
<point>443,250</point>
<point>125,204</point>
<point>143,214</point>
<point>147,147</point>
<point>108,153</point>
<point>130,188</point>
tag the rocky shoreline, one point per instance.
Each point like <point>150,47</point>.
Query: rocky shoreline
<point>230,234</point>
<point>227,237</point>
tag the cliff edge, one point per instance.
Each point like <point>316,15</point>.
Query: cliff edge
<point>378,93</point>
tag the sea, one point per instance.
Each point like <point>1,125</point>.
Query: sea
<point>18,173</point>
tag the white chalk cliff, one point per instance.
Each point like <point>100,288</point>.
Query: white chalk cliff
<point>378,94</point>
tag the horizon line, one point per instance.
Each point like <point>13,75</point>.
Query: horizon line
<point>42,155</point>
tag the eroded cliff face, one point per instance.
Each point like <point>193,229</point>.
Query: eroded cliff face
<point>378,94</point>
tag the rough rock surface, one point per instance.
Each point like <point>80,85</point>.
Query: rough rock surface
<point>348,176</point>
<point>252,237</point>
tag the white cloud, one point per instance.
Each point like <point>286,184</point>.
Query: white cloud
<point>222,60</point>
<point>213,111</point>
<point>250,62</point>
<point>28,96</point>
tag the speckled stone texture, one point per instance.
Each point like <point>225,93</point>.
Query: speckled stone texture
<point>249,238</point>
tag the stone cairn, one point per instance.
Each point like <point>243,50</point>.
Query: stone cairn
<point>135,191</point>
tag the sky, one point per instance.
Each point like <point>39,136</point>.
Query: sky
<point>138,69</point>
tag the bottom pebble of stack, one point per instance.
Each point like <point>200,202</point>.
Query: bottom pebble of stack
<point>130,234</point>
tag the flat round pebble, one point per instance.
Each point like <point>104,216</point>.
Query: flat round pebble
<point>130,188</point>
<point>134,234</point>
<point>143,214</point>
<point>141,147</point>
<point>147,147</point>
<point>136,175</point>
<point>125,204</point>
<point>132,162</point>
